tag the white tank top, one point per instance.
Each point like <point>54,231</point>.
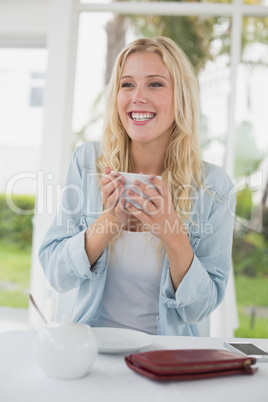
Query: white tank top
<point>131,294</point>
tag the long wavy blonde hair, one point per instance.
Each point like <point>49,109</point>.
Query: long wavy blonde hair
<point>183,164</point>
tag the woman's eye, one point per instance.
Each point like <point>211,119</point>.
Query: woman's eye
<point>126,85</point>
<point>156,84</point>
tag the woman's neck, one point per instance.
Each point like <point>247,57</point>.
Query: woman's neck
<point>147,159</point>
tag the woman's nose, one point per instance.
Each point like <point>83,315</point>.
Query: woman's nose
<point>139,96</point>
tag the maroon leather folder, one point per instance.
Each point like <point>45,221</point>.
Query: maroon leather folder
<point>189,364</point>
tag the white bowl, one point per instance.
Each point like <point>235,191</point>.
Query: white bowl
<point>65,350</point>
<point>129,179</point>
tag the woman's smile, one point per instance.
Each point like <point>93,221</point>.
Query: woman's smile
<point>141,117</point>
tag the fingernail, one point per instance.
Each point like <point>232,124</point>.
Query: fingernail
<point>136,183</point>
<point>152,177</point>
<point>130,192</point>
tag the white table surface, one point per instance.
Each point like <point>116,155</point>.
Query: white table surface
<point>111,380</point>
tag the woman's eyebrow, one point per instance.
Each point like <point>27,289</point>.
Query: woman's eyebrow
<point>126,76</point>
<point>147,76</point>
<point>156,75</point>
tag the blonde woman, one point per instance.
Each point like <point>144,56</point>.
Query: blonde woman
<point>170,253</point>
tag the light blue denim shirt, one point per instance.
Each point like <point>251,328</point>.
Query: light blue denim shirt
<point>66,265</point>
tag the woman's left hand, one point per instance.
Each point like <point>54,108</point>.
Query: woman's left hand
<point>157,213</point>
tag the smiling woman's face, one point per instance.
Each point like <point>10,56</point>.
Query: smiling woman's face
<point>145,98</point>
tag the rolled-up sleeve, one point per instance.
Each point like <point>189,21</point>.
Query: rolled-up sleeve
<point>203,286</point>
<point>62,253</point>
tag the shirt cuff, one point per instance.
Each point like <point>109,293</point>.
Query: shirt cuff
<point>191,288</point>
<point>193,285</point>
<point>76,258</point>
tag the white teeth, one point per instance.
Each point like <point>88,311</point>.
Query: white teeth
<point>142,116</point>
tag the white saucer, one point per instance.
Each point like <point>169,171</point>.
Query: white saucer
<point>119,340</point>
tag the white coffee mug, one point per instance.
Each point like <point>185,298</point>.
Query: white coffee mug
<point>129,179</point>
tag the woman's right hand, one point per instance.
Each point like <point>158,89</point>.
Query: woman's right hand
<point>112,187</point>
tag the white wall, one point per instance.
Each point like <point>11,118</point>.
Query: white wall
<point>21,123</point>
<point>23,21</point>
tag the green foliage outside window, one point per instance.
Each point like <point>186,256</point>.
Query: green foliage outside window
<point>16,228</point>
